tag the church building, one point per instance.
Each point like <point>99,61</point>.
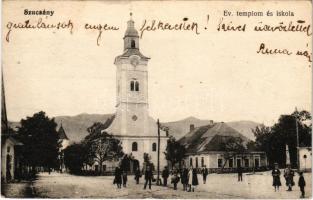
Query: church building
<point>132,124</point>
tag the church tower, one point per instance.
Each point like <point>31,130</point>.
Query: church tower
<point>132,85</point>
<point>132,124</point>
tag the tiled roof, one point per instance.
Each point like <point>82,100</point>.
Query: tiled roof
<point>209,137</point>
<point>10,137</point>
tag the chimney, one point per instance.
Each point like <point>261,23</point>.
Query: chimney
<point>192,127</point>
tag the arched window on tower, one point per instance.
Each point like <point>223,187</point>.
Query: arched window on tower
<point>132,44</point>
<point>154,146</point>
<point>132,85</point>
<point>136,86</point>
<point>134,146</point>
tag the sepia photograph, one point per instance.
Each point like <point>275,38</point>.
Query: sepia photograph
<point>156,99</point>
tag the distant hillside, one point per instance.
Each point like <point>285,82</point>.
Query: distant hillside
<point>244,127</point>
<point>76,126</point>
<point>179,128</point>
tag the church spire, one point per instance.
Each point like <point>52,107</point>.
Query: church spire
<point>4,119</point>
<point>131,37</point>
<point>62,134</point>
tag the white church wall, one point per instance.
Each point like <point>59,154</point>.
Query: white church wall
<point>144,145</point>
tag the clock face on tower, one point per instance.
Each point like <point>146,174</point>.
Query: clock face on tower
<point>134,61</point>
<point>134,117</point>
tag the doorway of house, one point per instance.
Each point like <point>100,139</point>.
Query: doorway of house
<point>9,167</point>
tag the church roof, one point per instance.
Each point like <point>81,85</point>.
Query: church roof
<point>129,52</point>
<point>114,127</point>
<point>131,31</point>
<point>62,134</point>
<point>209,137</point>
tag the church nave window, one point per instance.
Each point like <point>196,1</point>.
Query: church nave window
<point>134,146</point>
<point>154,146</point>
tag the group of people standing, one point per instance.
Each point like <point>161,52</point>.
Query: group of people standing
<point>120,177</point>
<point>288,175</point>
<point>188,177</point>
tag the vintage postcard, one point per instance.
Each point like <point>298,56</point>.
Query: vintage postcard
<point>156,99</point>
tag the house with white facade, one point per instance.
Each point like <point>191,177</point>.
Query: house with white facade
<point>305,158</point>
<point>204,148</point>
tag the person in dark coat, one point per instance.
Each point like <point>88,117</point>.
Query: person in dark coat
<point>289,174</point>
<point>165,175</point>
<point>137,175</point>
<point>124,176</point>
<point>239,171</point>
<point>148,176</point>
<point>205,173</point>
<point>195,181</point>
<point>301,184</point>
<point>276,177</point>
<point>118,177</point>
<point>184,178</point>
<point>175,178</point>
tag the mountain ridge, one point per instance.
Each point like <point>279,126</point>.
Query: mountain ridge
<point>76,126</point>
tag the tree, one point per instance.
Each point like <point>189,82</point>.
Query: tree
<point>75,157</point>
<point>40,139</point>
<point>273,139</point>
<point>100,145</point>
<point>231,146</point>
<point>285,131</point>
<point>175,152</point>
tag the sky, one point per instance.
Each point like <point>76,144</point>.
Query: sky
<point>212,75</point>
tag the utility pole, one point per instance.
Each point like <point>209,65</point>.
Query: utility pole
<point>158,178</point>
<point>297,131</point>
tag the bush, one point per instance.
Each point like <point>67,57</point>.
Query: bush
<point>74,157</point>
